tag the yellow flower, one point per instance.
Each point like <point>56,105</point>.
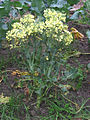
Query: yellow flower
<point>36,74</point>
<point>53,28</point>
<point>47,58</point>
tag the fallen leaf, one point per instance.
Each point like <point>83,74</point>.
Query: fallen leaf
<point>77,6</point>
<point>26,93</point>
<point>13,73</point>
<point>77,34</point>
<point>3,99</point>
<point>16,72</point>
<point>19,73</point>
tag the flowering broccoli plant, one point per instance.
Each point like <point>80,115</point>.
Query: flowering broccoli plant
<point>41,42</point>
<point>52,27</point>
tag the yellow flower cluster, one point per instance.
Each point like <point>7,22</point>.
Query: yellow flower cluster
<point>53,27</point>
<point>20,30</point>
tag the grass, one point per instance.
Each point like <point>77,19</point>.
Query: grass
<point>64,110</point>
<point>59,106</point>
<point>11,110</point>
<point>58,109</point>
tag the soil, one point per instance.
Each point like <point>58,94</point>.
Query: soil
<point>6,86</point>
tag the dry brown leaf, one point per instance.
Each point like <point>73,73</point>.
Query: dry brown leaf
<point>26,93</point>
<point>16,72</point>
<point>77,34</point>
<point>19,73</point>
<point>78,5</point>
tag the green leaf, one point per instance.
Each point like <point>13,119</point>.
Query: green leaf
<point>88,34</point>
<point>64,88</point>
<point>39,91</point>
<point>88,4</point>
<point>72,2</point>
<point>70,74</point>
<point>59,4</point>
<point>22,1</point>
<point>17,4</point>
<point>76,14</point>
<point>88,66</point>
<point>19,8</point>
<point>5,27</point>
<point>37,6</point>
<point>49,2</point>
<point>29,3</point>
<point>14,13</point>
<point>1,7</point>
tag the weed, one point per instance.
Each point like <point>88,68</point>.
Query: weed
<point>11,110</point>
<point>64,110</point>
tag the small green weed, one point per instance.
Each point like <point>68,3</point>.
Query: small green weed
<point>64,110</point>
<point>12,110</point>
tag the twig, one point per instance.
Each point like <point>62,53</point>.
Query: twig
<point>79,53</point>
<point>6,71</point>
<point>77,106</point>
<point>82,106</point>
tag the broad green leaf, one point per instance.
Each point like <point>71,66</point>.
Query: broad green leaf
<point>88,34</point>
<point>88,66</point>
<point>14,13</point>
<point>22,1</point>
<point>76,14</point>
<point>28,2</point>
<point>19,8</point>
<point>72,2</point>
<point>49,2</point>
<point>5,27</point>
<point>59,4</point>
<point>37,6</point>
<point>1,7</point>
<point>16,4</point>
<point>88,4</point>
